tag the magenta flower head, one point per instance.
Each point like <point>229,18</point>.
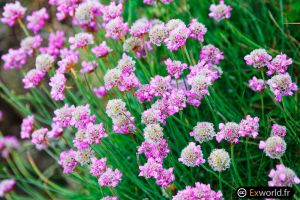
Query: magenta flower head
<point>32,78</point>
<point>88,67</point>
<point>283,177</point>
<point>80,141</point>
<point>150,169</point>
<point>177,37</point>
<point>29,44</point>
<point>278,130</point>
<point>57,84</point>
<point>160,85</point>
<point>112,78</point>
<point>81,40</point>
<point>229,132</point>
<point>98,166</point>
<point>111,11</point>
<point>219,160</point>
<point>197,29</point>
<point>116,28</point>
<point>211,54</point>
<point>67,160</point>
<point>110,178</point>
<point>37,20</point>
<point>258,58</point>
<point>6,186</point>
<point>176,101</point>
<point>157,151</point>
<point>12,12</point>
<point>101,50</point>
<point>165,177</point>
<point>55,43</point>
<point>140,27</point>
<point>14,59</point>
<point>95,133</point>
<point>249,127</point>
<point>203,132</point>
<point>81,117</point>
<point>220,11</point>
<point>63,116</point>
<point>257,85</point>
<point>158,33</point>
<point>65,8</point>
<point>279,64</point>
<point>282,85</point>
<point>274,147</point>
<point>27,127</point>
<point>192,155</point>
<point>39,138</point>
<point>100,92</point>
<point>175,68</point>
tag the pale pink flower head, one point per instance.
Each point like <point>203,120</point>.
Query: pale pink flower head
<point>116,28</point>
<point>12,12</point>
<point>149,2</point>
<point>110,178</point>
<point>67,160</point>
<point>65,8</point>
<point>95,133</point>
<point>220,11</point>
<point>278,130</point>
<point>44,62</point>
<point>101,50</point>
<point>81,116</point>
<point>124,123</point>
<point>84,156</point>
<point>203,132</point>
<point>98,166</point>
<point>39,138</point>
<point>115,107</point>
<point>100,92</point>
<point>282,85</point>
<point>279,64</point>
<point>112,78</point>
<point>249,127</point>
<point>274,147</point>
<point>175,68</point>
<point>144,93</point>
<point>173,24</point>
<point>198,30</point>
<point>258,58</point>
<point>153,133</point>
<point>255,84</point>
<point>33,78</point>
<point>37,20</point>
<point>126,64</point>
<point>88,67</point>
<point>211,54</point>
<point>176,101</point>
<point>6,186</point>
<point>27,127</point>
<point>157,34</point>
<point>87,12</point>
<point>57,84</point>
<point>177,37</point>
<point>140,27</point>
<point>199,84</point>
<point>283,177</point>
<point>62,116</point>
<point>68,61</point>
<point>219,160</point>
<point>14,59</point>
<point>29,44</point>
<point>150,169</point>
<point>80,140</point>
<point>192,155</point>
<point>160,85</point>
<point>165,177</point>
<point>81,40</point>
<point>229,132</point>
<point>111,11</point>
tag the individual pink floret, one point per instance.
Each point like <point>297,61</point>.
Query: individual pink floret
<point>98,166</point>
<point>100,92</point>
<point>175,68</point>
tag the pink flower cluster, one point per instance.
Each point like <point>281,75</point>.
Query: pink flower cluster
<point>192,155</point>
<point>31,44</point>
<point>175,68</point>
<point>55,43</point>
<point>37,20</point>
<point>101,50</point>
<point>7,144</point>
<point>283,177</point>
<point>249,127</point>
<point>257,85</point>
<point>27,127</point>
<point>278,130</point>
<point>14,59</point>
<point>153,2</point>
<point>12,12</point>
<point>6,186</point>
<point>220,11</point>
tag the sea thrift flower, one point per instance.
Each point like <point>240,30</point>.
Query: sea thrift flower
<point>55,131</point>
<point>88,67</point>
<point>161,85</point>
<point>101,50</point>
<point>135,44</point>
<point>175,68</point>
<point>80,141</point>
<point>62,116</point>
<point>192,155</point>
<point>65,8</point>
<point>219,160</point>
<point>200,191</point>
<point>140,27</point>
<point>32,78</point>
<point>124,123</point>
<point>81,40</point>
<point>111,11</point>
<point>157,151</point>
<point>282,85</point>
<point>220,11</point>
<point>67,160</point>
<point>57,84</point>
<point>153,133</point>
<point>283,177</point>
<point>98,166</point>
<point>27,127</point>
<point>87,12</point>
<point>257,85</point>
<point>279,64</point>
<point>14,59</point>
<point>110,198</point>
<point>200,84</point>
<point>150,169</point>
<point>7,144</point>
<point>144,93</point>
<point>274,147</point>
<point>115,107</point>
<point>203,132</point>
<point>12,13</point>
<point>110,178</point>
<point>55,43</point>
<point>44,62</point>
<point>37,20</point>
<point>258,58</point>
<point>173,24</point>
<point>158,34</point>
<point>177,38</point>
<point>111,78</point>
<point>249,127</point>
<point>229,132</point>
<point>100,92</point>
<point>116,28</point>
<point>278,130</point>
<point>165,177</point>
<point>83,156</point>
<point>176,101</point>
<point>39,138</point>
<point>197,29</point>
<point>69,60</point>
<point>81,117</point>
<point>126,64</point>
<point>29,44</point>
<point>211,54</point>
<point>94,133</point>
<point>6,186</point>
